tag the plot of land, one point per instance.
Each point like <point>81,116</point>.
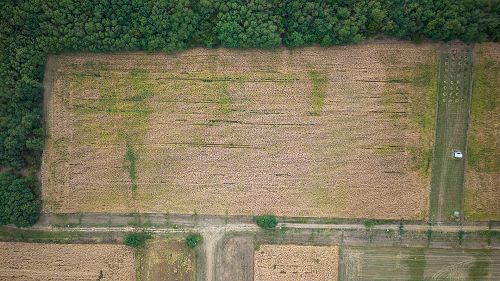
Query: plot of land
<point>343,132</point>
<point>451,132</point>
<point>167,260</point>
<point>418,264</point>
<point>482,178</point>
<point>291,262</point>
<point>236,259</point>
<point>24,261</point>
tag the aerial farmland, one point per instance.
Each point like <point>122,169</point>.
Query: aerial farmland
<point>295,140</point>
<point>243,132</point>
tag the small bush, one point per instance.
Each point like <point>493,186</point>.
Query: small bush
<point>401,228</point>
<point>369,224</point>
<point>136,239</point>
<point>193,239</point>
<point>461,236</point>
<point>266,222</point>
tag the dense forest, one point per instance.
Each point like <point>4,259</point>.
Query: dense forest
<point>32,29</point>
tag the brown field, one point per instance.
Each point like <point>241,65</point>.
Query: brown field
<point>167,260</point>
<point>482,177</point>
<point>291,262</point>
<point>341,132</point>
<point>25,261</point>
<point>236,259</point>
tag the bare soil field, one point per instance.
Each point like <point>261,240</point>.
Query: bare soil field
<point>236,259</point>
<point>167,259</point>
<point>338,132</point>
<point>26,261</point>
<point>482,177</point>
<point>391,263</point>
<point>291,262</point>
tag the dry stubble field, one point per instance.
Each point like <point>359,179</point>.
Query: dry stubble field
<point>340,132</point>
<point>166,259</point>
<point>291,262</point>
<point>25,261</point>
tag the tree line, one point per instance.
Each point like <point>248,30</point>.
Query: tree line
<point>32,29</point>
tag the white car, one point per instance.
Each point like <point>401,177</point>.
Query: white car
<point>456,154</point>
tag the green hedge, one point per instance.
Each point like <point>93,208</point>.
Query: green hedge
<point>30,30</point>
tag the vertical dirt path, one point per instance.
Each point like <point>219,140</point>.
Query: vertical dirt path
<point>453,106</point>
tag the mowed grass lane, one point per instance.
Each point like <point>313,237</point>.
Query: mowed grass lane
<point>453,103</point>
<point>392,263</point>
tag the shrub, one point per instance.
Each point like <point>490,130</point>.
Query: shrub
<point>266,221</point>
<point>369,224</point>
<point>193,239</point>
<point>136,239</point>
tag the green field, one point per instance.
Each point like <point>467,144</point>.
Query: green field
<point>391,263</point>
<point>481,188</point>
<point>454,85</point>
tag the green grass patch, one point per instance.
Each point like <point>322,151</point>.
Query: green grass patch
<point>482,154</point>
<point>319,81</point>
<point>479,270</point>
<point>422,113</point>
<point>130,164</point>
<point>416,264</point>
<point>120,104</point>
<point>224,100</point>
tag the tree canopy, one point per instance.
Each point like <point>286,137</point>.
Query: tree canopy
<point>32,29</point>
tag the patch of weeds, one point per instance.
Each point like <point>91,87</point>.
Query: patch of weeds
<point>136,239</point>
<point>429,235</point>
<point>319,82</point>
<point>193,239</point>
<point>141,96</point>
<point>398,80</point>
<point>401,228</point>
<point>479,270</point>
<point>416,264</point>
<point>369,224</point>
<point>224,101</point>
<point>130,164</point>
<point>461,236</point>
<point>420,159</point>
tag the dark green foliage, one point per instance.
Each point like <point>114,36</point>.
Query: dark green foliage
<point>401,228</point>
<point>136,239</point>
<point>32,29</point>
<point>18,204</point>
<point>369,224</point>
<point>193,239</point>
<point>266,222</point>
<point>461,236</point>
